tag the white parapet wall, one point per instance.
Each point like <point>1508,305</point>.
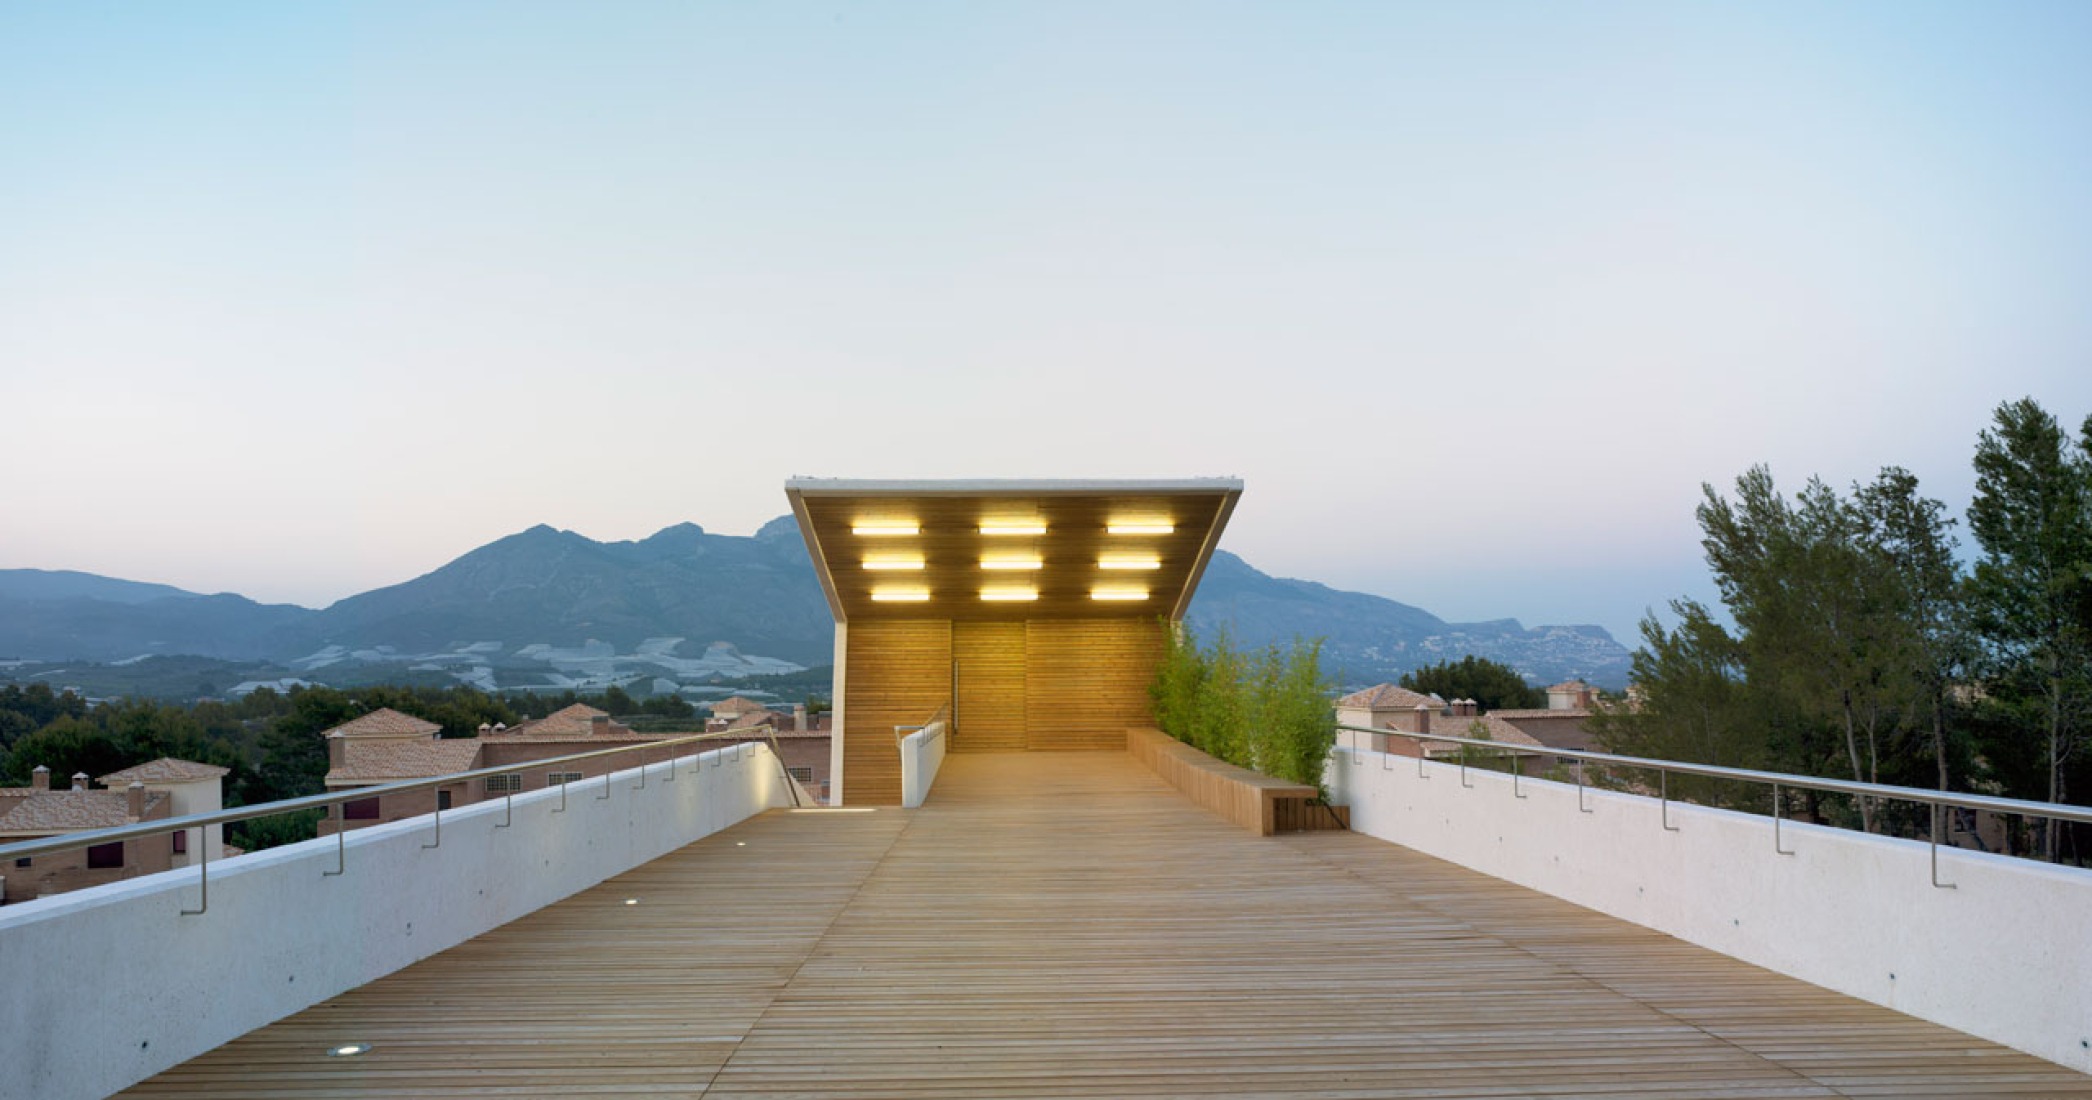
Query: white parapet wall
<point>2006,954</point>
<point>922,753</point>
<point>107,986</point>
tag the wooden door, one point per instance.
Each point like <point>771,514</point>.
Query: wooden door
<point>988,670</point>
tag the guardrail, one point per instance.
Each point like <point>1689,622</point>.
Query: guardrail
<point>285,933</point>
<point>1849,910</point>
<point>1778,781</point>
<point>64,842</point>
<point>922,753</point>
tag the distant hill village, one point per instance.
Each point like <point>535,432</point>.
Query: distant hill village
<point>1562,724</point>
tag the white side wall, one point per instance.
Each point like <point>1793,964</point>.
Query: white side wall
<point>2006,955</point>
<point>107,986</point>
<point>835,710</point>
<point>922,753</point>
<point>204,796</point>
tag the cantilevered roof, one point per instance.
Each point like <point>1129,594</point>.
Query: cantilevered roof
<point>1010,550</point>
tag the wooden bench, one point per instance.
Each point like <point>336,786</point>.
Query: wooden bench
<point>1256,802</point>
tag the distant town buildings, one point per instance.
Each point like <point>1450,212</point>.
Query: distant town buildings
<point>154,791</point>
<point>386,746</point>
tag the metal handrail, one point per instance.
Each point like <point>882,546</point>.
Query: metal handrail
<point>2055,810</point>
<point>70,841</point>
<point>939,720</point>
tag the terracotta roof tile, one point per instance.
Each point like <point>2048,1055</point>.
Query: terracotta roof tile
<point>380,760</point>
<point>575,723</point>
<point>48,812</point>
<point>1384,696</point>
<point>1542,712</point>
<point>385,722</point>
<point>166,769</point>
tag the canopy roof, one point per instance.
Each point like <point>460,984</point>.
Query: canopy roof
<point>1010,550</point>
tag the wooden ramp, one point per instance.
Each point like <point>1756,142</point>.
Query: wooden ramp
<point>1063,924</point>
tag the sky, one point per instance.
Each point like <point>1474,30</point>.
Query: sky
<point>298,300</point>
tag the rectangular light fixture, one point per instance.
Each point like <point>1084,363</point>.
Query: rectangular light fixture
<point>1118,593</point>
<point>900,595</point>
<point>999,529</point>
<point>881,530</point>
<point>1017,564</point>
<point>1140,528</point>
<point>1129,562</point>
<point>892,563</point>
<point>1009,595</point>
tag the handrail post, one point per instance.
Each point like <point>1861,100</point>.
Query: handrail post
<point>1777,802</point>
<point>1517,772</point>
<point>562,796</point>
<point>438,815</point>
<point>1666,786</point>
<point>641,753</point>
<point>607,769</point>
<point>508,810</point>
<point>341,849</point>
<point>1935,851</point>
<point>1580,788</point>
<point>203,882</point>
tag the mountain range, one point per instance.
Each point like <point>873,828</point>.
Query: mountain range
<point>552,609</point>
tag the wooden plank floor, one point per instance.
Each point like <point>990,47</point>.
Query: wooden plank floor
<point>1063,924</point>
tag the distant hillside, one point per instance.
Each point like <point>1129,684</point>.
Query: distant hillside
<point>562,589</point>
<point>1370,638</point>
<point>65,584</point>
<point>553,610</point>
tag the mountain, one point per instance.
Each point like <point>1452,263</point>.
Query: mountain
<point>81,616</point>
<point>553,610</point>
<point>558,588</point>
<point>65,584</point>
<point>1369,638</point>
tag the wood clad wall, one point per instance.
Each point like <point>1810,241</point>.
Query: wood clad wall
<point>1087,680</point>
<point>991,686</point>
<point>899,673</point>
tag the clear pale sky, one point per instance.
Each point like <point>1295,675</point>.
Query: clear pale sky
<point>302,299</point>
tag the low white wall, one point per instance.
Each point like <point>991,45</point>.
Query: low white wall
<point>105,987</point>
<point>2006,955</point>
<point>922,753</point>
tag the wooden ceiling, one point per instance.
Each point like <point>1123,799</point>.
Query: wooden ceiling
<point>951,545</point>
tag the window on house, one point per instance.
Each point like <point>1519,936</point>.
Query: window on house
<point>556,778</point>
<point>181,841</point>
<point>25,861</point>
<point>803,775</point>
<point>504,784</point>
<point>443,800</point>
<point>106,855</point>
<point>362,809</point>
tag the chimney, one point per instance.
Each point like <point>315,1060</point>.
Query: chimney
<point>79,781</point>
<point>135,794</point>
<point>799,717</point>
<point>1423,718</point>
<point>337,752</point>
<point>599,725</point>
<point>40,779</point>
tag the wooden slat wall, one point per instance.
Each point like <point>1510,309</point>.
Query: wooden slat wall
<point>1087,680</point>
<point>991,686</point>
<point>900,672</point>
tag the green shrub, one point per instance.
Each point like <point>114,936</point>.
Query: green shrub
<point>1267,710</point>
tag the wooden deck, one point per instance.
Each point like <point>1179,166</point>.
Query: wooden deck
<point>1064,924</point>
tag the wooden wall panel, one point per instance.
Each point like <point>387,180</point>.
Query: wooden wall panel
<point>990,657</point>
<point>1086,680</point>
<point>899,672</point>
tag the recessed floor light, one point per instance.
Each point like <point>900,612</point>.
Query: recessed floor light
<point>740,844</point>
<point>631,901</point>
<point>348,1050</point>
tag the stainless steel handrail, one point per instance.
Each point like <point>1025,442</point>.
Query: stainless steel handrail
<point>2055,810</point>
<point>70,841</point>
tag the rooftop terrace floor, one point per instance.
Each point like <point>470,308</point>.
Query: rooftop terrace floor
<point>1063,924</point>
